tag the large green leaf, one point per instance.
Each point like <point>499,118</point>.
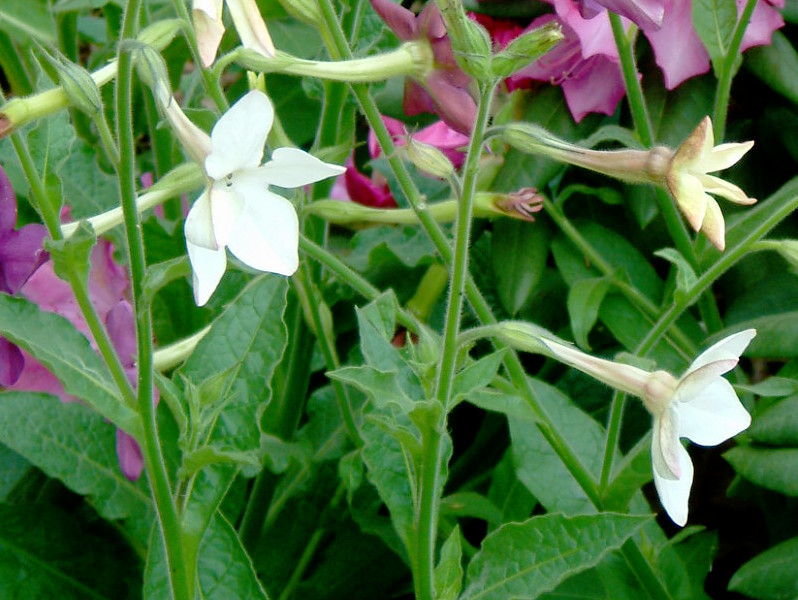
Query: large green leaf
<point>714,21</point>
<point>776,65</point>
<point>772,468</point>
<point>45,553</point>
<point>28,19</point>
<point>55,342</point>
<point>519,251</point>
<point>778,423</point>
<point>524,560</point>
<point>771,575</point>
<point>74,444</point>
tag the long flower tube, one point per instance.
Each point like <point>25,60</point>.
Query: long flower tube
<point>700,405</point>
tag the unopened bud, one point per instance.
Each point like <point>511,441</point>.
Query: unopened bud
<point>161,33</point>
<point>151,69</point>
<point>429,159</point>
<point>526,49</point>
<point>81,90</point>
<point>470,41</point>
<point>521,204</point>
<point>303,10</point>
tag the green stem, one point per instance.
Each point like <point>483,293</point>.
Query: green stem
<point>613,433</point>
<point>180,573</point>
<point>685,346</point>
<point>79,286</point>
<point>107,138</point>
<point>673,222</point>
<point>727,71</point>
<point>725,262</point>
<point>434,448</point>
<point>324,333</point>
<point>211,82</point>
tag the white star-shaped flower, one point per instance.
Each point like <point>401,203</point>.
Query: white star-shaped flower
<point>689,182</point>
<point>237,210</point>
<point>702,407</point>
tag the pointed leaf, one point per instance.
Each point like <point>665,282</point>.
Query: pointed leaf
<point>771,575</point>
<point>523,560</point>
<point>449,570</point>
<point>584,300</point>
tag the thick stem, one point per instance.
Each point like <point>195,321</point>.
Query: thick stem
<point>180,573</point>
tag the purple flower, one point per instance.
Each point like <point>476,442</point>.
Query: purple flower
<point>444,90</point>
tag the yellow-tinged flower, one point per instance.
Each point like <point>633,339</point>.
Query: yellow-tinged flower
<point>249,24</point>
<point>691,185</point>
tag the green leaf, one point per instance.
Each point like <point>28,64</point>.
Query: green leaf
<point>685,275</point>
<point>471,504</point>
<point>631,473</point>
<point>607,195</point>
<point>519,251</point>
<point>776,65</point>
<point>13,468</point>
<point>224,570</point>
<point>384,246</point>
<point>477,375</point>
<point>66,353</point>
<point>73,444</point>
<point>772,387</point>
<point>523,560</point>
<point>714,22</point>
<point>776,335</point>
<point>45,553</point>
<point>382,388</point>
<point>771,575</point>
<point>584,300</point>
<point>773,468</point>
<point>777,424</point>
<point>27,19</point>
<point>449,570</point>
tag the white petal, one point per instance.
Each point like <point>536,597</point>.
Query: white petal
<point>690,197</point>
<point>713,416</point>
<point>199,223</point>
<point>665,444</point>
<point>674,493</point>
<point>250,26</point>
<point>724,189</point>
<point>730,347</point>
<point>723,156</point>
<point>207,17</point>
<point>714,225</point>
<point>227,204</point>
<point>695,381</point>
<point>207,267</point>
<point>292,168</point>
<point>266,237</point>
<point>238,137</point>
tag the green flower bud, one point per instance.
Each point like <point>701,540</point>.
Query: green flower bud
<point>303,10</point>
<point>161,33</point>
<point>470,41</point>
<point>428,158</point>
<point>81,90</point>
<point>526,49</point>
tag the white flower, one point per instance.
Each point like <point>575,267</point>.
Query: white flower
<point>689,182</point>
<point>237,210</point>
<point>702,407</point>
<point>209,28</point>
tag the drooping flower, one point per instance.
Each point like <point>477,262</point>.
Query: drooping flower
<point>237,210</point>
<point>207,16</point>
<point>444,89</point>
<point>700,405</point>
<point>689,183</point>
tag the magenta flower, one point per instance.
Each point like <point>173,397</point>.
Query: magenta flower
<point>108,288</point>
<point>444,90</point>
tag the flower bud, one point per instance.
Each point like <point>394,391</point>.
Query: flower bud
<point>81,90</point>
<point>161,33</point>
<point>303,10</point>
<point>470,41</point>
<point>428,158</point>
<point>152,71</point>
<point>526,49</point>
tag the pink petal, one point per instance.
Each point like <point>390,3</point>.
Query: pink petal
<point>129,454</point>
<point>764,21</point>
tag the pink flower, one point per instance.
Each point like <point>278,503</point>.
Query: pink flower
<point>444,90</point>
<point>374,191</point>
<point>589,74</point>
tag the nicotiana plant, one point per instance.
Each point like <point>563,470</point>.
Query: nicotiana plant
<point>365,299</point>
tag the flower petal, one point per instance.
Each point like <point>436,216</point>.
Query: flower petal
<point>207,267</point>
<point>207,17</point>
<point>227,202</point>
<point>695,381</point>
<point>293,168</point>
<point>690,197</point>
<point>674,493</point>
<point>729,348</point>
<point>130,460</point>
<point>713,416</point>
<point>724,156</point>
<point>664,445</point>
<point>714,226</point>
<point>724,189</point>
<point>250,26</point>
<point>238,137</point>
<point>199,223</point>
<point>12,362</point>
<point>401,21</point>
<point>266,238</point>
